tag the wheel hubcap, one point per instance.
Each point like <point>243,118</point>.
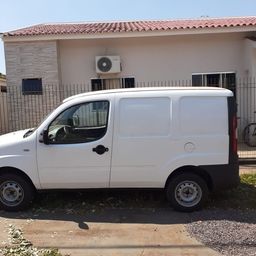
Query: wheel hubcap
<point>11,193</point>
<point>188,193</point>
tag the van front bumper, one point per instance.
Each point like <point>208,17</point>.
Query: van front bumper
<point>223,176</point>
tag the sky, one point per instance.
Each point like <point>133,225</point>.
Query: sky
<point>16,14</point>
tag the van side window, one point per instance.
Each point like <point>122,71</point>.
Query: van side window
<point>81,123</point>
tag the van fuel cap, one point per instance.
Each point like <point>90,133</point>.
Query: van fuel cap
<point>189,147</point>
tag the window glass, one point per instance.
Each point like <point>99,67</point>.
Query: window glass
<point>229,82</point>
<point>3,88</point>
<point>197,80</point>
<point>213,80</point>
<point>128,82</point>
<point>97,84</point>
<point>32,86</point>
<point>224,80</point>
<point>81,123</point>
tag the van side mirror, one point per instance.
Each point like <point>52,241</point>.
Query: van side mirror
<point>44,137</point>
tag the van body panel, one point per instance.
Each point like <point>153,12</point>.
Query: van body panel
<point>20,153</point>
<point>223,176</point>
<point>73,166</point>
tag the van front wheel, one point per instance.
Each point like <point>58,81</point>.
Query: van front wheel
<point>16,193</point>
<point>187,192</point>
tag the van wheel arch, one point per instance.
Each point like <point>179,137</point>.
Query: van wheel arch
<point>194,170</point>
<point>17,191</point>
<point>18,172</point>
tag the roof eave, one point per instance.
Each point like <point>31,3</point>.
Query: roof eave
<point>189,31</point>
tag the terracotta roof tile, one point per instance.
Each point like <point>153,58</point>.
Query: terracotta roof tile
<point>131,26</point>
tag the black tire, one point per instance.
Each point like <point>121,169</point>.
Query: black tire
<point>16,192</point>
<point>179,188</point>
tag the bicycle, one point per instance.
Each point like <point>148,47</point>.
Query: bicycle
<point>249,135</point>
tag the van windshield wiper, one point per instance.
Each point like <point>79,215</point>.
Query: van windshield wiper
<point>29,132</point>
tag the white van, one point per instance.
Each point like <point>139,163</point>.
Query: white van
<point>180,139</point>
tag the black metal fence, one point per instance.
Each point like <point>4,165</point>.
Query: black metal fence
<point>21,109</point>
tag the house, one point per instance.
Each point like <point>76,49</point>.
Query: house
<point>2,82</point>
<point>3,104</point>
<point>58,57</point>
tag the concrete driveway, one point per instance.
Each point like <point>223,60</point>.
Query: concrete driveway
<point>247,169</point>
<point>109,232</point>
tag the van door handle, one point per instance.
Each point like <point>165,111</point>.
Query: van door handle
<point>100,149</point>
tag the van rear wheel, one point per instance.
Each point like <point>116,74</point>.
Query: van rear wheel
<point>187,192</point>
<point>16,192</point>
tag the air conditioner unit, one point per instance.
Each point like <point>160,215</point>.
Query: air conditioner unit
<point>108,64</point>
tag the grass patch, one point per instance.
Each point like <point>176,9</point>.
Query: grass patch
<point>90,201</point>
<point>242,197</point>
<point>249,179</point>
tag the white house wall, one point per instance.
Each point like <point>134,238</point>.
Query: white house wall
<point>247,90</point>
<point>154,59</point>
<point>3,112</point>
<point>250,57</point>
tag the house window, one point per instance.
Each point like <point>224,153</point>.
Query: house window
<point>97,84</point>
<point>3,88</point>
<point>115,83</point>
<point>32,86</point>
<point>128,82</point>
<point>224,80</point>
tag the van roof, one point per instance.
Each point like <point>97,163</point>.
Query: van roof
<point>223,91</point>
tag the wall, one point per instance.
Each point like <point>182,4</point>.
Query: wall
<point>154,59</point>
<point>247,110</point>
<point>250,57</point>
<point>30,60</point>
<point>148,59</point>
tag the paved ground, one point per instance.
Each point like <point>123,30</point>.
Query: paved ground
<point>245,151</point>
<point>112,232</point>
<point>247,168</point>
